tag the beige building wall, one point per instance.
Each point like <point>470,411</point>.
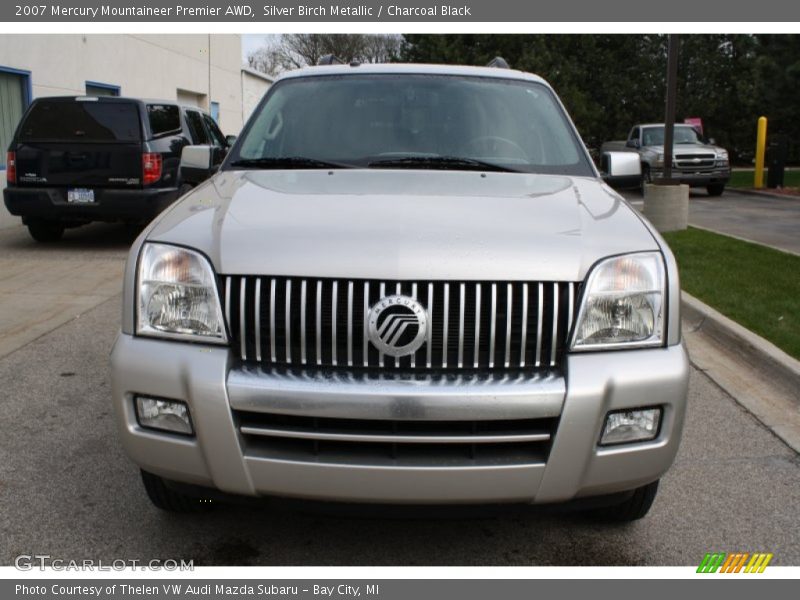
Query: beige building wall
<point>254,86</point>
<point>145,66</point>
<point>148,66</point>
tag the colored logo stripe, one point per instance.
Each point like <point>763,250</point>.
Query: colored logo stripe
<point>734,562</point>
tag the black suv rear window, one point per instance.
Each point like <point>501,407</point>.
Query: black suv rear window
<point>84,121</point>
<point>163,118</point>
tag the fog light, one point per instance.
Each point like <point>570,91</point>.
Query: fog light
<point>626,426</point>
<point>166,415</point>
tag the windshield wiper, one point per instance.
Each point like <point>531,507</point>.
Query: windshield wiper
<point>439,162</point>
<point>288,162</point>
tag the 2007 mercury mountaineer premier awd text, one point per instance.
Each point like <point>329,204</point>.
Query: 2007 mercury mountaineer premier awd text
<point>406,284</point>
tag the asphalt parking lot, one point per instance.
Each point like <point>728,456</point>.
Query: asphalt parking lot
<point>68,491</point>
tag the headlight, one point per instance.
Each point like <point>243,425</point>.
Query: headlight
<point>623,304</point>
<point>177,295</point>
<point>659,160</point>
<point>722,155</point>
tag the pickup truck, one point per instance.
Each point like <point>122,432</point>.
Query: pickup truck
<point>406,284</point>
<point>695,162</point>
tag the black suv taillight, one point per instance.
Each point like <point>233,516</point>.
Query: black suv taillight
<point>151,167</point>
<point>11,167</point>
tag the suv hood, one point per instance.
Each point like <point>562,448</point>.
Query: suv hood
<point>404,224</point>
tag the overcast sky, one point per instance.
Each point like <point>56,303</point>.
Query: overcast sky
<point>251,41</point>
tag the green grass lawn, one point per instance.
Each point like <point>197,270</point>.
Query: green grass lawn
<point>744,179</point>
<point>754,285</point>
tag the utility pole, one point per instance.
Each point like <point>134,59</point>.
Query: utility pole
<point>672,93</point>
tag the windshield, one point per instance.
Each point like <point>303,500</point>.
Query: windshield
<point>654,136</point>
<point>411,121</point>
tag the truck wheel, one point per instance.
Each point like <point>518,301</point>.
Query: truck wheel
<point>45,231</point>
<point>165,498</point>
<point>715,189</point>
<point>646,178</point>
<point>633,509</point>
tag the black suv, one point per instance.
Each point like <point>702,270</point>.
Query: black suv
<point>74,160</point>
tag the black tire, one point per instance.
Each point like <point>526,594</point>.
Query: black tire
<point>633,509</point>
<point>184,189</point>
<point>45,231</point>
<point>715,189</point>
<point>167,499</point>
<point>646,178</point>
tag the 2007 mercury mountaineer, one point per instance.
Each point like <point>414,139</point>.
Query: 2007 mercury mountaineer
<point>406,284</point>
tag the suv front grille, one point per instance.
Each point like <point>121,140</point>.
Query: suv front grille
<point>472,325</point>
<point>695,161</point>
<point>396,442</point>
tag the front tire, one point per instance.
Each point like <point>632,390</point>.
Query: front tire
<point>632,509</point>
<point>45,231</point>
<point>167,499</point>
<point>715,189</point>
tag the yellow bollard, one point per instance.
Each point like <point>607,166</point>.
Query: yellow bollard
<point>761,145</point>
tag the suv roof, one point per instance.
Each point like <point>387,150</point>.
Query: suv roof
<point>122,99</point>
<point>411,68</point>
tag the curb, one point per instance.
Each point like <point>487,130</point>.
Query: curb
<point>755,350</point>
<point>748,192</point>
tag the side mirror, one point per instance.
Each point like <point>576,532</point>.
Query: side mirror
<point>230,140</point>
<point>196,165</point>
<point>196,157</point>
<point>621,169</point>
<point>632,143</point>
<point>712,141</point>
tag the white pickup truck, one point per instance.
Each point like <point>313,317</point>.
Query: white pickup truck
<point>695,162</point>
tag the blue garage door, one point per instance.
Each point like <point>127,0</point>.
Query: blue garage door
<point>13,91</point>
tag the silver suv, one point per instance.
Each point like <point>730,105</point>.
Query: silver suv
<point>406,284</point>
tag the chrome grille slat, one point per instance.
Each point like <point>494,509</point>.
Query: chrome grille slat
<point>493,325</point>
<point>242,317</point>
<point>257,332</point>
<point>429,341</point>
<point>382,291</point>
<point>272,321</point>
<point>303,330</point>
<point>461,326</point>
<point>349,323</point>
<point>539,310</point>
<point>365,350</point>
<point>524,335</point>
<point>476,359</point>
<point>555,324</point>
<point>446,323</point>
<point>228,301</point>
<point>509,308</point>
<point>289,321</point>
<point>318,328</point>
<point>414,355</point>
<point>335,298</point>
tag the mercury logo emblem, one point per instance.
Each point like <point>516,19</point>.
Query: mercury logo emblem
<point>397,325</point>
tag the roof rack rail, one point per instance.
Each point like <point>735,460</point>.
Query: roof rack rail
<point>330,59</point>
<point>498,62</point>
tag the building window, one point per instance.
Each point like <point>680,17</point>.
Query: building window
<point>95,88</point>
<point>215,111</point>
<point>15,95</point>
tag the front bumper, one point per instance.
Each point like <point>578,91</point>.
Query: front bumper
<point>134,205</point>
<point>221,456</point>
<point>697,178</point>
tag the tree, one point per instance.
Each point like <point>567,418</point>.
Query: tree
<point>292,51</point>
